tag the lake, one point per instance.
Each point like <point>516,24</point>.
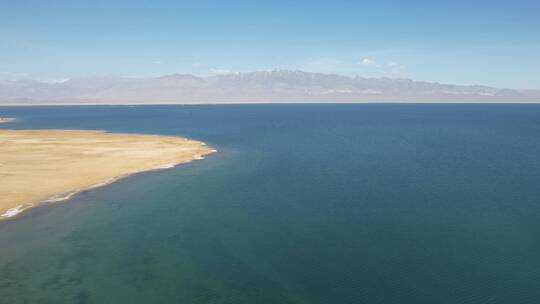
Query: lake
<point>316,203</point>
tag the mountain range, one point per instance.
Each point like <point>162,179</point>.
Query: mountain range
<point>249,87</point>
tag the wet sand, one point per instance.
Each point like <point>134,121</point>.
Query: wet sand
<point>38,166</point>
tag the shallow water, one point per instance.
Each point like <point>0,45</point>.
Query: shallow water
<point>302,204</point>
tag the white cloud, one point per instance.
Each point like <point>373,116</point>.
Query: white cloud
<point>390,68</point>
<point>394,68</point>
<point>220,71</point>
<point>368,62</point>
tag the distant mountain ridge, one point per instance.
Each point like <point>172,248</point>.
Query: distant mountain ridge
<point>249,87</point>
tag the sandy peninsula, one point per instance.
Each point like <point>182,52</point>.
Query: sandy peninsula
<point>38,166</point>
<point>6,119</point>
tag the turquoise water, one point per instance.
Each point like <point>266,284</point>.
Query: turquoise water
<point>303,204</point>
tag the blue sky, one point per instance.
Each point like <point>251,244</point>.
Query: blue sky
<point>464,42</point>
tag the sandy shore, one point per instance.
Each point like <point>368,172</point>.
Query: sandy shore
<point>39,166</point>
<point>6,119</point>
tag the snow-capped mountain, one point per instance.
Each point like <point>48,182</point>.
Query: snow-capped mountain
<point>264,86</point>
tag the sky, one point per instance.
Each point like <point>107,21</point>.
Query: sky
<point>494,43</point>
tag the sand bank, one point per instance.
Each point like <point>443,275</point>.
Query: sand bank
<point>6,119</point>
<point>39,166</point>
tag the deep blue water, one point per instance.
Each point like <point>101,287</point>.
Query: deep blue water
<point>303,204</point>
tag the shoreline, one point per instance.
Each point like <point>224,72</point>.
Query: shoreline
<point>532,101</point>
<point>7,119</point>
<point>14,212</point>
<point>200,149</point>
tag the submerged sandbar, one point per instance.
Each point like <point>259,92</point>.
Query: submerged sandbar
<point>48,165</point>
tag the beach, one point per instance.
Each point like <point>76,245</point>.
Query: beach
<point>40,166</point>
